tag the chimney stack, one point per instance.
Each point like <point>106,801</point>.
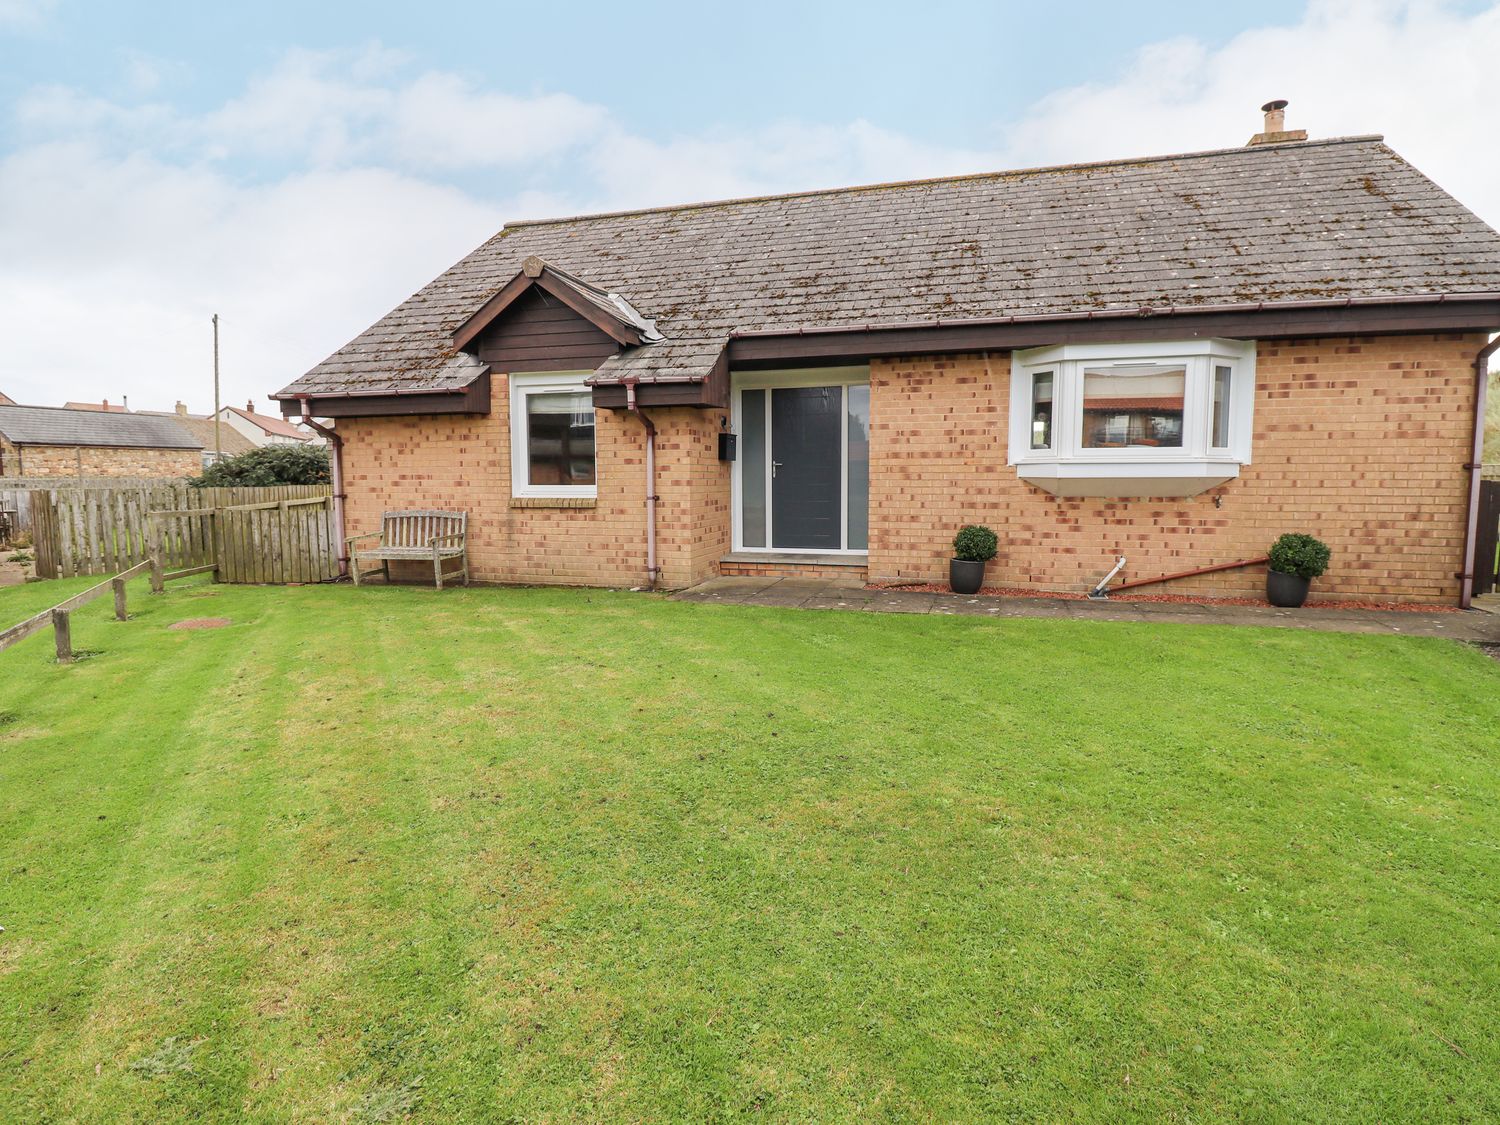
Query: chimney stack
<point>1276,132</point>
<point>182,410</point>
<point>250,407</point>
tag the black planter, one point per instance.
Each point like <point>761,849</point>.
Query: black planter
<point>965,577</point>
<point>1286,590</point>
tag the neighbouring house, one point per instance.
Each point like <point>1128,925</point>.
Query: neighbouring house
<point>1174,359</point>
<point>54,441</point>
<point>264,429</point>
<point>105,407</point>
<point>219,441</point>
<point>6,400</point>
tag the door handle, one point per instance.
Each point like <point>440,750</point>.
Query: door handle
<point>774,466</point>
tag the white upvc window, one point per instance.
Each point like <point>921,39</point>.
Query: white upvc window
<point>552,450</point>
<point>1159,419</point>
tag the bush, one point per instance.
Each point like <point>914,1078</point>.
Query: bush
<point>267,466</point>
<point>1301,555</point>
<point>975,543</point>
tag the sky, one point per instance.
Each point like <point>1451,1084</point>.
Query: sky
<point>300,169</point>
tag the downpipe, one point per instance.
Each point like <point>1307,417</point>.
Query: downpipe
<point>653,571</point>
<point>1475,467</point>
<point>336,465</point>
<point>1101,591</point>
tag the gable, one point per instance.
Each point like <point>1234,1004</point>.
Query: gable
<point>537,332</point>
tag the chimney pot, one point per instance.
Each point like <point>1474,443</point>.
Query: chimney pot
<point>1275,131</point>
<point>182,409</point>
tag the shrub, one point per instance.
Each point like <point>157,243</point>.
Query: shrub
<point>1301,555</point>
<point>975,543</point>
<point>267,466</point>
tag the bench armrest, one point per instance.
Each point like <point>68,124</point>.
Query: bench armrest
<point>457,537</point>
<point>353,539</point>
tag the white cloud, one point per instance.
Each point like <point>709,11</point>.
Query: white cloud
<point>24,13</point>
<point>323,194</point>
<point>1421,73</point>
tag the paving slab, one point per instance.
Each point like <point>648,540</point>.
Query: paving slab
<point>842,593</point>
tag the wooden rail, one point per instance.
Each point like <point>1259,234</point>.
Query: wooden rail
<point>60,616</point>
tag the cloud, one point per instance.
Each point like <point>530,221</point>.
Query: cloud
<point>337,182</point>
<point>24,13</point>
<point>1421,73</point>
<point>114,266</point>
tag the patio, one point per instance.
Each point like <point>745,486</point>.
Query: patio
<point>819,593</point>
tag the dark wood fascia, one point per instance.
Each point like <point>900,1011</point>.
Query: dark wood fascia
<point>472,399</point>
<point>748,353</point>
<point>616,328</point>
<point>613,397</point>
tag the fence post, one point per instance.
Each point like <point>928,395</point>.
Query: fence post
<point>119,588</point>
<point>62,633</point>
<point>158,583</point>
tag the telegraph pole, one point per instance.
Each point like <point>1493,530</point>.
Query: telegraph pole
<point>218,422</point>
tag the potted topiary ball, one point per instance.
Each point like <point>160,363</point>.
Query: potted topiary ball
<point>973,546</point>
<point>1295,561</point>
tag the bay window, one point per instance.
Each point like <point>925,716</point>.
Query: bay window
<point>1161,419</point>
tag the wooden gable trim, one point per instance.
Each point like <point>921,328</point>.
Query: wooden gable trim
<point>545,278</point>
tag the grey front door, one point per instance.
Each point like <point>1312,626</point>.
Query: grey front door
<point>806,468</point>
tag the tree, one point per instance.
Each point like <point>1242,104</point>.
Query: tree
<point>304,463</point>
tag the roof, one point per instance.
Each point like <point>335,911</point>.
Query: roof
<point>57,425</point>
<point>1336,219</point>
<point>201,428</point>
<point>107,407</point>
<point>271,425</point>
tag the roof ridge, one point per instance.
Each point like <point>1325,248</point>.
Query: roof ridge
<point>1363,138</point>
<point>69,409</point>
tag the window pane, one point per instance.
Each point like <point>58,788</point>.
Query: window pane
<point>753,468</point>
<point>1132,407</point>
<point>859,468</point>
<point>1220,436</point>
<point>1041,410</point>
<point>560,438</point>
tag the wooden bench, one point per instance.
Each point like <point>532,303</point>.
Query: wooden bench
<point>414,536</point>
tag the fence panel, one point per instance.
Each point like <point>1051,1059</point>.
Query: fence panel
<point>1487,554</point>
<point>104,530</point>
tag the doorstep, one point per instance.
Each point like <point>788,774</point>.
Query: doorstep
<point>795,564</point>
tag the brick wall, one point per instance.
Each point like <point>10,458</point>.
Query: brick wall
<point>463,462</point>
<point>98,461</point>
<point>1358,441</point>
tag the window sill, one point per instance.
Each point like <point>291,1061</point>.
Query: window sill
<point>1129,479</point>
<point>553,502</point>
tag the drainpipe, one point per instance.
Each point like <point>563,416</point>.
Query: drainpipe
<point>1471,527</point>
<point>336,462</point>
<point>652,570</point>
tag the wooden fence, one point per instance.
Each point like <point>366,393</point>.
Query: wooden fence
<point>1487,552</point>
<point>259,534</point>
<point>264,542</point>
<point>15,492</point>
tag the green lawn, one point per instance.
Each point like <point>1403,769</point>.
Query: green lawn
<point>494,855</point>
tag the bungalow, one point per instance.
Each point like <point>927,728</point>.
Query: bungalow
<point>54,441</point>
<point>262,429</point>
<point>1173,358</point>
